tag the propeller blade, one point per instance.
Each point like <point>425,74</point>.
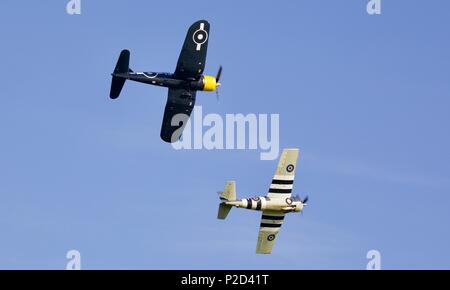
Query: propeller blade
<point>219,73</point>
<point>305,200</point>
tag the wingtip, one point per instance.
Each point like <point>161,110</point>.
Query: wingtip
<point>196,23</point>
<point>292,149</point>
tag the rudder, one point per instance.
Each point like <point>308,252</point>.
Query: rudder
<point>122,67</point>
<point>229,194</point>
<point>230,191</point>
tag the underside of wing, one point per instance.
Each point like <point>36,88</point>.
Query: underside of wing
<point>283,180</point>
<point>178,109</point>
<point>271,222</point>
<point>191,62</point>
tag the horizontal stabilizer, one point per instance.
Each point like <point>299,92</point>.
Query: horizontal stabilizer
<point>224,209</point>
<point>116,87</point>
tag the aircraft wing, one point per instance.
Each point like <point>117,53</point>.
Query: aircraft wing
<point>191,62</point>
<point>283,180</point>
<point>180,103</point>
<point>271,222</point>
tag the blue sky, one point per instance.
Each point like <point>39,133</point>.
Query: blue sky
<point>365,98</point>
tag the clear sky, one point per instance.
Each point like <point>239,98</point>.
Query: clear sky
<point>365,98</point>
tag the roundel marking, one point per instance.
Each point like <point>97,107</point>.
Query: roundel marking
<point>256,198</point>
<point>288,201</point>
<point>200,36</point>
<point>290,168</point>
<point>271,237</point>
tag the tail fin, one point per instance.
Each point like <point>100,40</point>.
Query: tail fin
<point>122,67</point>
<point>228,194</point>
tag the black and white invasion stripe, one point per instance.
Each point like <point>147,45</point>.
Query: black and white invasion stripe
<point>282,184</point>
<point>271,221</point>
<point>255,204</point>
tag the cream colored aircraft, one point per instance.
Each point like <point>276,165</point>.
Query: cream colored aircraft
<point>274,205</point>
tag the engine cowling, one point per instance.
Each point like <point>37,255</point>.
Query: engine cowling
<point>298,206</point>
<point>209,83</point>
<point>205,83</point>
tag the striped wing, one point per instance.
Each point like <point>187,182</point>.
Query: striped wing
<point>271,222</point>
<point>283,181</point>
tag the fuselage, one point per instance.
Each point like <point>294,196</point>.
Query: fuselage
<point>169,80</point>
<point>261,203</point>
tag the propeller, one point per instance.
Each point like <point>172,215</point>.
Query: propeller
<point>298,198</point>
<point>219,73</point>
<point>305,200</point>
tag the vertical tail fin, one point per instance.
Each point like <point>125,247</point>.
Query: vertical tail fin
<point>228,194</point>
<point>122,67</point>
